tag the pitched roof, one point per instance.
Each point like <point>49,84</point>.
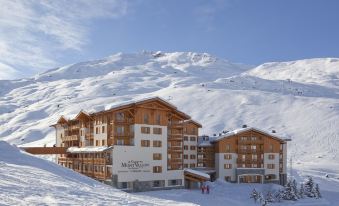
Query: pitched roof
<point>241,130</point>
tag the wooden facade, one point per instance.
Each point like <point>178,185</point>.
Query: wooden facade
<point>116,127</point>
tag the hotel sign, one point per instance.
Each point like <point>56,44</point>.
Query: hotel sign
<point>134,166</point>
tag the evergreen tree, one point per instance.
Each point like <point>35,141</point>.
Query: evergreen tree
<point>279,195</point>
<point>255,195</point>
<point>289,193</point>
<point>262,199</point>
<point>309,187</point>
<point>269,197</point>
<point>294,188</point>
<point>302,191</point>
<point>317,191</point>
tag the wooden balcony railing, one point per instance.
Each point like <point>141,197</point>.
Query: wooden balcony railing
<point>250,161</point>
<point>122,121</point>
<point>71,138</point>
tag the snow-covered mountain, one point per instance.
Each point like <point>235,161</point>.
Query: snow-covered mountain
<point>298,99</point>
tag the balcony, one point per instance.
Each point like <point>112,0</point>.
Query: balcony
<point>123,134</point>
<point>89,136</point>
<point>249,151</point>
<point>249,161</point>
<point>122,121</point>
<point>71,138</point>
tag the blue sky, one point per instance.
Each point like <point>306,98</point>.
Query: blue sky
<point>39,35</point>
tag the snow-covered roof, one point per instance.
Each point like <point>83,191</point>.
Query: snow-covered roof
<point>240,130</point>
<point>199,173</point>
<point>88,149</point>
<point>134,101</point>
<point>204,144</point>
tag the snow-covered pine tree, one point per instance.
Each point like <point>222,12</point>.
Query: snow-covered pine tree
<point>302,191</point>
<point>254,195</point>
<point>309,187</point>
<point>317,191</point>
<point>294,188</point>
<point>262,200</point>
<point>269,197</point>
<point>279,195</point>
<point>289,193</point>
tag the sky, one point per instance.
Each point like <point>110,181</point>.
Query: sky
<point>37,35</point>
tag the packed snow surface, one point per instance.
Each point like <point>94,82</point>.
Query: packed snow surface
<point>28,180</point>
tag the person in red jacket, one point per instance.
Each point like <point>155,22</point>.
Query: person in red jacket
<point>202,189</point>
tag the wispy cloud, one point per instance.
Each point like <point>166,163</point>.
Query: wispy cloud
<point>32,30</point>
<point>206,13</point>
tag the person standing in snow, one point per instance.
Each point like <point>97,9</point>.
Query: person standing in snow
<point>208,189</point>
<point>202,189</point>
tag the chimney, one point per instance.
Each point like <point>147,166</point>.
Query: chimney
<point>273,131</point>
<point>244,126</point>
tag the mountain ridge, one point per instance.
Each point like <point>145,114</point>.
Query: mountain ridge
<point>218,93</point>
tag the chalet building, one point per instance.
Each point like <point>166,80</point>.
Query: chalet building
<point>135,146</point>
<point>150,144</point>
<point>246,155</point>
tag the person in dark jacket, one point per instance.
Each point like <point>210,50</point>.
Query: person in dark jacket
<point>202,189</point>
<point>208,189</point>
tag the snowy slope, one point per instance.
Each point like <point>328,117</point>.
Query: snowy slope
<point>320,71</point>
<point>27,180</point>
<point>219,94</point>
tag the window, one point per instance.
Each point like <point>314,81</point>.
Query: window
<point>157,119</point>
<point>253,138</point>
<point>103,129</point>
<point>157,130</point>
<point>157,156</point>
<point>227,156</point>
<point>228,147</point>
<point>227,166</point>
<point>185,165</point>
<point>271,156</point>
<point>254,165</point>
<point>157,169</point>
<point>192,157</point>
<point>80,132</point>
<point>102,142</point>
<point>124,185</point>
<point>185,147</point>
<point>145,130</point>
<point>192,165</point>
<point>270,166</point>
<point>253,147</point>
<point>146,119</point>
<point>156,143</point>
<point>120,116</point>
<point>185,157</point>
<point>193,139</point>
<point>158,183</point>
<point>174,182</point>
<point>120,130</point>
<point>96,130</point>
<point>192,147</point>
<point>145,143</point>
<point>120,142</point>
<point>227,178</point>
<point>97,142</point>
<point>254,157</point>
<point>185,138</point>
